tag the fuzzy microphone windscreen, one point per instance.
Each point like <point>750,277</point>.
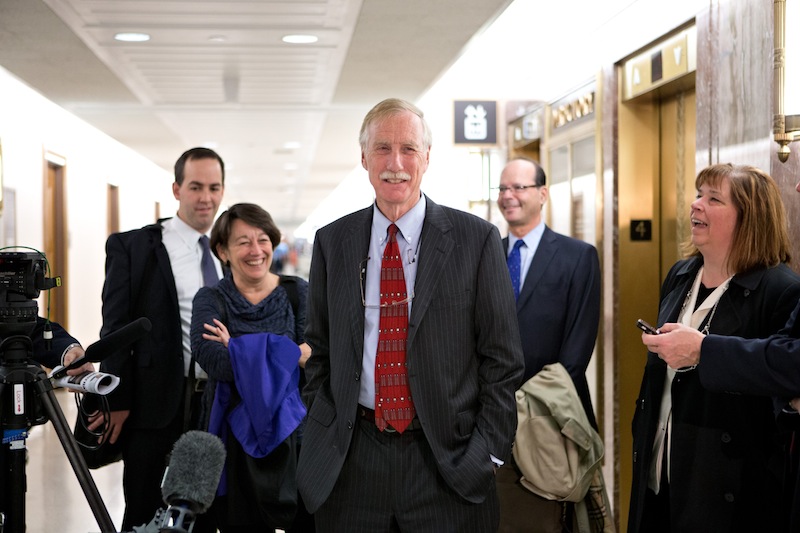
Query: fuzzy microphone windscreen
<point>194,470</point>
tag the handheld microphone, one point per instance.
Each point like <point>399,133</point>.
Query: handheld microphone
<point>194,469</point>
<point>190,482</point>
<point>121,338</point>
<point>106,346</point>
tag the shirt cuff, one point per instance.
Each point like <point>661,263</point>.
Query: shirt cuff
<point>68,348</point>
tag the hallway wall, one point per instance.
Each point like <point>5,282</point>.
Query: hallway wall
<point>30,127</point>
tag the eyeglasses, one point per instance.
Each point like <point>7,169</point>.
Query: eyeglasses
<point>362,269</point>
<point>514,189</point>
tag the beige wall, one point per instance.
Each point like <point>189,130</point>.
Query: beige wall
<point>31,127</point>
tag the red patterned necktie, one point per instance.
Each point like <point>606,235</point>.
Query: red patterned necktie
<point>393,403</point>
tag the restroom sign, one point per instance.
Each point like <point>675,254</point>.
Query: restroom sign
<point>475,122</point>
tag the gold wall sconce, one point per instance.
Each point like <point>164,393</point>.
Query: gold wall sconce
<point>786,76</point>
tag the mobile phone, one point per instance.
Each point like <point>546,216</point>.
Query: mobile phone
<point>647,328</point>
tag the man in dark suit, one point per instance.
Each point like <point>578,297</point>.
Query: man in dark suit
<point>155,272</point>
<point>429,466</point>
<point>558,308</point>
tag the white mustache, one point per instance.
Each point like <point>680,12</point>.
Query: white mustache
<point>389,175</point>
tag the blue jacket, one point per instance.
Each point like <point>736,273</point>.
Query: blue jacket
<point>266,376</point>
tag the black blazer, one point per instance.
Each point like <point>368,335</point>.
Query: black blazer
<point>726,460</point>
<point>139,282</point>
<point>559,309</point>
<point>464,359</point>
<point>769,367</point>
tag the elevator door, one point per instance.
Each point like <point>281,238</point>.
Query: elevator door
<point>656,187</point>
<point>677,190</point>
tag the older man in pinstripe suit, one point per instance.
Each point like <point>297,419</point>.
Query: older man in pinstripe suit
<point>361,470</point>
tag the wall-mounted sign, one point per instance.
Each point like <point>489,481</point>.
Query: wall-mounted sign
<point>641,230</point>
<point>573,109</point>
<point>665,62</point>
<point>475,122</point>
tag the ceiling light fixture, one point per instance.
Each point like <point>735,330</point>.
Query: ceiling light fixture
<point>291,145</point>
<point>300,38</point>
<point>132,37</point>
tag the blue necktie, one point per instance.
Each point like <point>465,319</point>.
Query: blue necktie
<point>210,277</point>
<point>514,266</point>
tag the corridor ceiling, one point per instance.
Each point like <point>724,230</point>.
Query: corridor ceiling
<point>284,117</point>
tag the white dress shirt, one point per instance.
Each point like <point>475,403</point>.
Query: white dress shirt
<point>185,253</point>
<point>408,239</point>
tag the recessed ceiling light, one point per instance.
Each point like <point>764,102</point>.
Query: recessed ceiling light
<point>291,166</point>
<point>218,38</point>
<point>300,39</point>
<point>132,37</point>
<point>291,145</point>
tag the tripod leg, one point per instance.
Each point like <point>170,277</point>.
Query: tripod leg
<point>56,415</point>
<point>16,483</point>
<point>14,454</point>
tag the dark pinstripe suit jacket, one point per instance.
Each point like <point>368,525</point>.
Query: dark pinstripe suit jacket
<point>464,355</point>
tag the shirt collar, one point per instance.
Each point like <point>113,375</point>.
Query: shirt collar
<point>184,231</point>
<point>530,238</point>
<point>410,224</point>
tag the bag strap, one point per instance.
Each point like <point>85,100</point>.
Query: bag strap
<point>223,308</point>
<point>289,284</point>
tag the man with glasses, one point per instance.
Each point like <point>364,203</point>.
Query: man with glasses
<point>415,357</point>
<point>557,283</point>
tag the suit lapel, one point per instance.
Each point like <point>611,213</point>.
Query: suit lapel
<point>162,262</point>
<point>354,250</point>
<point>435,249</point>
<point>545,252</point>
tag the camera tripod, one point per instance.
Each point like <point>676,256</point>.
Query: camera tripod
<point>27,399</point>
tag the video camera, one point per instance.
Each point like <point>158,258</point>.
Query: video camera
<point>23,275</point>
<point>22,278</point>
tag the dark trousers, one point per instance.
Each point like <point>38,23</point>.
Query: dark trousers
<point>522,511</point>
<point>303,520</point>
<point>390,483</point>
<point>656,516</point>
<point>145,456</point>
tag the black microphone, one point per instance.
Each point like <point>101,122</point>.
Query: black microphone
<point>97,351</point>
<point>113,342</point>
<point>190,482</point>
